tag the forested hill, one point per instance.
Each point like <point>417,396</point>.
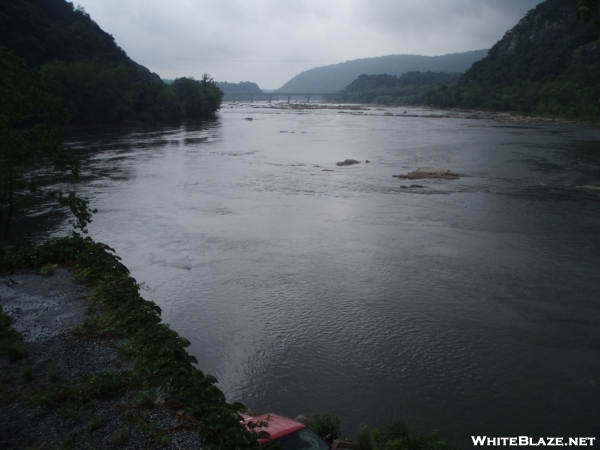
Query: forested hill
<point>245,87</point>
<point>548,64</point>
<point>97,80</point>
<point>392,90</point>
<point>335,77</point>
<point>41,31</point>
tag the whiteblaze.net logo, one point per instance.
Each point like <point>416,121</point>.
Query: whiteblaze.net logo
<point>526,441</point>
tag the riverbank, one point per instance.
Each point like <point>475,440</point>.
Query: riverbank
<point>89,362</point>
<point>44,310</point>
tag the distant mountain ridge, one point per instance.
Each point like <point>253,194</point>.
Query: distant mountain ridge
<point>335,77</point>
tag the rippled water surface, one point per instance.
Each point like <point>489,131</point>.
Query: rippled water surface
<point>470,306</point>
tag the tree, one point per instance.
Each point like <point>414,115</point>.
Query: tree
<point>30,138</point>
<point>588,9</point>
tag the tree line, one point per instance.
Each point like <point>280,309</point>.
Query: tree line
<point>386,89</point>
<point>95,91</point>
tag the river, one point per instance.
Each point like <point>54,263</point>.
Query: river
<point>471,306</point>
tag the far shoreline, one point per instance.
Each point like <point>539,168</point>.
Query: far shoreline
<point>454,113</point>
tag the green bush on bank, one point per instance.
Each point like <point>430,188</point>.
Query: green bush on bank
<point>399,436</point>
<point>11,342</point>
<point>326,424</point>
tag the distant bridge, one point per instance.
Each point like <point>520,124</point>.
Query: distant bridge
<point>253,96</point>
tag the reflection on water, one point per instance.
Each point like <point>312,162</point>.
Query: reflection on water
<point>470,306</point>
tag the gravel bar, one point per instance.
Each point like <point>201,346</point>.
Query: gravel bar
<point>45,309</point>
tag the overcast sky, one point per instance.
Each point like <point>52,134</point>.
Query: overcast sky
<point>270,41</point>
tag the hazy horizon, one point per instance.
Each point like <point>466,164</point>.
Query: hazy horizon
<point>268,42</point>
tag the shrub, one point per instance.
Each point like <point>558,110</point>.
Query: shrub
<point>326,424</point>
<point>364,438</point>
<point>399,436</point>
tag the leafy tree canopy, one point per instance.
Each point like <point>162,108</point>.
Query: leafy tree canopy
<point>241,87</point>
<point>30,137</point>
<point>588,8</point>
<point>392,90</point>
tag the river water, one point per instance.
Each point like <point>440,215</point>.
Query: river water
<point>471,306</point>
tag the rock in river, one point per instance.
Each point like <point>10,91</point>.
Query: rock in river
<point>440,172</point>
<point>348,162</point>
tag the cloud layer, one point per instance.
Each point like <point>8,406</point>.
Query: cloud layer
<point>270,41</point>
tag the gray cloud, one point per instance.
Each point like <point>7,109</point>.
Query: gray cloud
<point>270,41</point>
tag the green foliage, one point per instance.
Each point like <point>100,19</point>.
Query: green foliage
<point>391,90</point>
<point>27,373</point>
<point>364,438</point>
<point>30,138</point>
<point>53,371</point>
<point>47,269</point>
<point>399,436</point>
<point>93,91</point>
<point>40,412</point>
<point>157,352</point>
<point>16,352</point>
<point>588,8</point>
<point>68,443</point>
<point>96,91</point>
<point>10,341</point>
<point>120,437</point>
<point>78,206</point>
<point>246,87</point>
<point>326,424</point>
<point>146,398</point>
<point>198,98</point>
<point>96,423</point>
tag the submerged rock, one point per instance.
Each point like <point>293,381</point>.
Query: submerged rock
<point>440,172</point>
<point>348,162</point>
